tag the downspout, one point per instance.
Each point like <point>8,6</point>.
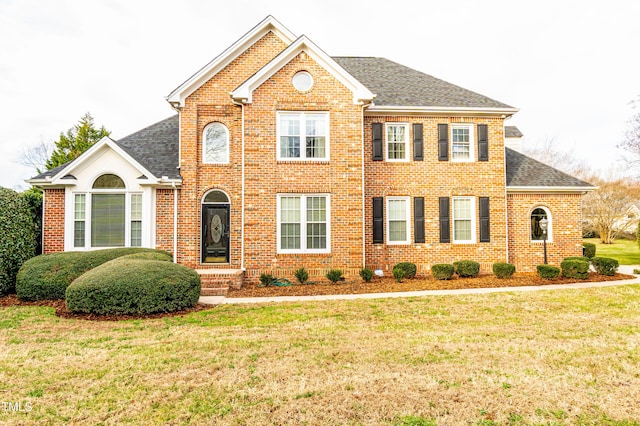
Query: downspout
<point>175,222</point>
<point>242,188</point>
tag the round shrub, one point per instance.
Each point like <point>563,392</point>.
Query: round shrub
<point>18,242</point>
<point>366,274</point>
<point>334,275</point>
<point>582,258</point>
<point>301,275</point>
<point>605,265</point>
<point>149,255</point>
<point>466,268</point>
<point>589,250</point>
<point>503,270</point>
<point>134,286</point>
<point>47,277</point>
<point>442,271</point>
<point>398,273</point>
<point>548,272</point>
<point>408,268</point>
<point>575,269</point>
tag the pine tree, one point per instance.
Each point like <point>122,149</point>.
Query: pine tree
<point>77,140</point>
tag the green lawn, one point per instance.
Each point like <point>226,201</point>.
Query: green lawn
<point>558,357</point>
<point>626,252</point>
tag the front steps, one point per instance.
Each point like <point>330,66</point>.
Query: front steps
<point>216,282</point>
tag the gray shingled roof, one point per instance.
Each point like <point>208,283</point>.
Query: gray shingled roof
<point>156,147</point>
<point>398,85</point>
<point>512,132</point>
<point>525,171</point>
<point>52,172</point>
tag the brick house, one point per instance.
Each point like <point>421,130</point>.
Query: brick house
<point>281,156</point>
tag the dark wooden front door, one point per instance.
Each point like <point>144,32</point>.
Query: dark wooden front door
<point>215,234</point>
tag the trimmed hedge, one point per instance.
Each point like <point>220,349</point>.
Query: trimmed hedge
<point>334,275</point>
<point>134,286</point>
<point>442,271</point>
<point>18,242</point>
<point>605,265</point>
<point>149,255</point>
<point>408,268</point>
<point>548,272</point>
<point>589,250</point>
<point>582,258</point>
<point>47,276</point>
<point>366,274</point>
<point>575,269</point>
<point>466,268</point>
<point>503,270</point>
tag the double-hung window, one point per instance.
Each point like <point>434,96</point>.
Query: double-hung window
<point>462,142</point>
<point>303,136</point>
<point>398,220</point>
<point>397,141</point>
<point>464,220</point>
<point>79,217</point>
<point>303,223</point>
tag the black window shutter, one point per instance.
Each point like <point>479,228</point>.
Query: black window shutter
<point>378,220</point>
<point>443,142</point>
<point>483,143</point>
<point>418,144</point>
<point>485,227</point>
<point>418,219</point>
<point>376,131</point>
<point>445,229</point>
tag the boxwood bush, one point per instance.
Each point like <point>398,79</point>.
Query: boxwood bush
<point>548,272</point>
<point>134,286</point>
<point>605,265</point>
<point>583,258</point>
<point>575,269</point>
<point>589,250</point>
<point>48,276</point>
<point>503,270</point>
<point>334,275</point>
<point>466,268</point>
<point>442,271</point>
<point>366,274</point>
<point>408,268</point>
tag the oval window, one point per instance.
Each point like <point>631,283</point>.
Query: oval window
<point>302,81</point>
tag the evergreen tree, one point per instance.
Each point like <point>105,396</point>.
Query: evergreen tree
<point>77,140</point>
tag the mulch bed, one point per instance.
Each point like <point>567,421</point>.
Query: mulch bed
<point>377,285</point>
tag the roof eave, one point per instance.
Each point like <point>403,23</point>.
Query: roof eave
<point>550,189</point>
<point>437,110</point>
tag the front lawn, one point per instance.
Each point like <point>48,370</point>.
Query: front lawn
<point>626,252</point>
<point>548,357</point>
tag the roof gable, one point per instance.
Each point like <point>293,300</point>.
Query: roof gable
<point>244,92</point>
<point>177,97</point>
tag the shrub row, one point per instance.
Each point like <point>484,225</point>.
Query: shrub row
<point>578,267</point>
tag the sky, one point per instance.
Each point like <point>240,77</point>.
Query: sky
<point>571,67</point>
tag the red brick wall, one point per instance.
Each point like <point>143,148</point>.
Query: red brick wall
<point>164,220</point>
<point>53,226</point>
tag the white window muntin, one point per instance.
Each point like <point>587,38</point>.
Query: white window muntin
<point>215,144</point>
<point>306,133</point>
<point>396,137</point>
<point>462,142</point>
<point>464,220</point>
<point>549,225</point>
<point>398,220</point>
<point>299,209</point>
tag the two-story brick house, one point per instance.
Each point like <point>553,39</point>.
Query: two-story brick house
<point>281,157</point>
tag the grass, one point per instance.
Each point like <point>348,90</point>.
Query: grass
<point>549,357</point>
<point>626,252</point>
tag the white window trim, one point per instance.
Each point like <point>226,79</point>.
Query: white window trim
<point>407,201</point>
<point>303,223</point>
<point>204,144</point>
<point>473,221</point>
<point>549,225</point>
<point>472,142</point>
<point>303,151</point>
<point>407,144</point>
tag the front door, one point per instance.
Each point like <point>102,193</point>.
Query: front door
<point>215,234</point>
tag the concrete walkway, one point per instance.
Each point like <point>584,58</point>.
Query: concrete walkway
<point>222,300</point>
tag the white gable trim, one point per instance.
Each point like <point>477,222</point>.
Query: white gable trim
<point>244,93</point>
<point>178,96</point>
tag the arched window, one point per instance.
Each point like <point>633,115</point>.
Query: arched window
<point>108,181</point>
<point>215,196</point>
<point>215,144</point>
<point>537,233</point>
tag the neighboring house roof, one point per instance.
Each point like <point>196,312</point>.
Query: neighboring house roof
<point>525,173</point>
<point>398,85</point>
<point>512,132</point>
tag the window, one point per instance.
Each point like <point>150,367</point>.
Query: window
<point>79,216</point>
<point>461,142</point>
<point>302,81</point>
<point>464,220</point>
<point>398,220</point>
<point>537,215</point>
<point>215,144</point>
<point>303,224</point>
<point>397,142</point>
<point>303,136</point>
<point>136,220</point>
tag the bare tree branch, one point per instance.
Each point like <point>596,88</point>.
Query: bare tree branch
<point>36,156</point>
